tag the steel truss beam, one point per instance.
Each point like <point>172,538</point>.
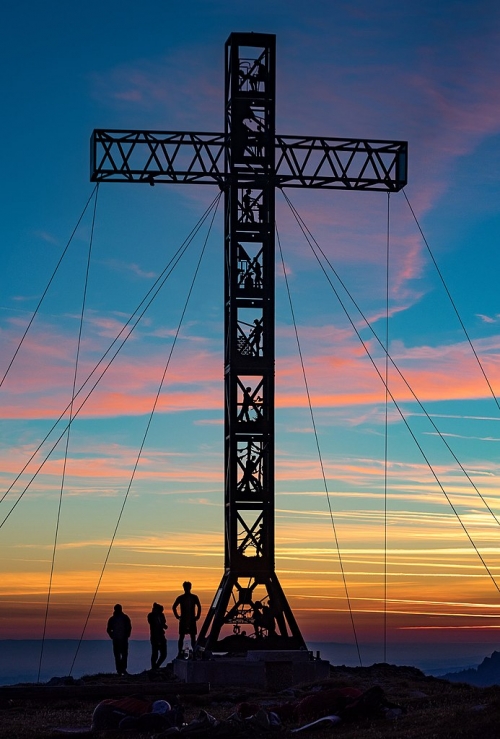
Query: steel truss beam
<point>301,161</point>
<point>249,599</point>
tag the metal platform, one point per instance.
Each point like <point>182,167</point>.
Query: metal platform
<point>270,670</point>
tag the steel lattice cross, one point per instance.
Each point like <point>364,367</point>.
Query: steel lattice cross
<point>248,161</point>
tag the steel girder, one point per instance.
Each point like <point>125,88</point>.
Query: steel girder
<point>249,599</point>
<point>301,161</point>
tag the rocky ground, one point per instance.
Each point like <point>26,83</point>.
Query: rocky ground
<point>433,708</point>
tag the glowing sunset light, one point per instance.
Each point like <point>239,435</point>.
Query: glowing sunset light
<point>436,89</point>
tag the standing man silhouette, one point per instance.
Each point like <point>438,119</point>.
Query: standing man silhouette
<point>119,629</point>
<point>190,611</point>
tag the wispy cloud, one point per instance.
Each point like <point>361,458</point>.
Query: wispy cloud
<point>463,436</point>
<point>489,319</point>
<point>130,268</point>
<point>47,237</point>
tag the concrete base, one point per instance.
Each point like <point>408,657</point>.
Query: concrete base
<point>273,670</point>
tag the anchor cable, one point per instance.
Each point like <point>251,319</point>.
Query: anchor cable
<point>155,403</point>
<point>403,418</point>
<point>306,384</point>
<point>453,303</point>
<point>48,285</point>
<point>386,434</point>
<point>393,364</point>
<point>63,476</point>
<point>158,284</point>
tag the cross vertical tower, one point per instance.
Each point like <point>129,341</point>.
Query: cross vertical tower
<point>249,354</point>
<point>248,161</point>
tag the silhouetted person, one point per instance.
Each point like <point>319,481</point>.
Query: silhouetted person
<point>157,626</point>
<point>189,612</point>
<point>255,336</point>
<point>248,481</point>
<point>257,617</point>
<point>267,620</point>
<point>247,203</point>
<point>119,629</point>
<point>246,405</point>
<point>258,272</point>
<point>263,619</point>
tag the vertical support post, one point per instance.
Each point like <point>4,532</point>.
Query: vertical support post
<point>249,286</point>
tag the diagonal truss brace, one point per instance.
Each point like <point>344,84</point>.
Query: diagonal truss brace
<point>301,161</point>
<point>157,156</point>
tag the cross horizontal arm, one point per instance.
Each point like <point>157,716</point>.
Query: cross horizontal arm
<point>350,164</point>
<point>184,157</point>
<point>157,156</point>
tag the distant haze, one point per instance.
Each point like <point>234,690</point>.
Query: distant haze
<point>19,658</point>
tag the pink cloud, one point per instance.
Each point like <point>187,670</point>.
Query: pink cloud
<point>130,267</point>
<point>351,229</point>
<point>103,469</point>
<point>339,374</point>
<point>445,104</point>
<point>488,319</point>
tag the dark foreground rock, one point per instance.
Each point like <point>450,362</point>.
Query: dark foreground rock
<point>432,708</point>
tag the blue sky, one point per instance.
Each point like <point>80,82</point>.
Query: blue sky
<point>418,72</point>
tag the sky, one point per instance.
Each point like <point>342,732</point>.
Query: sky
<point>419,545</point>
